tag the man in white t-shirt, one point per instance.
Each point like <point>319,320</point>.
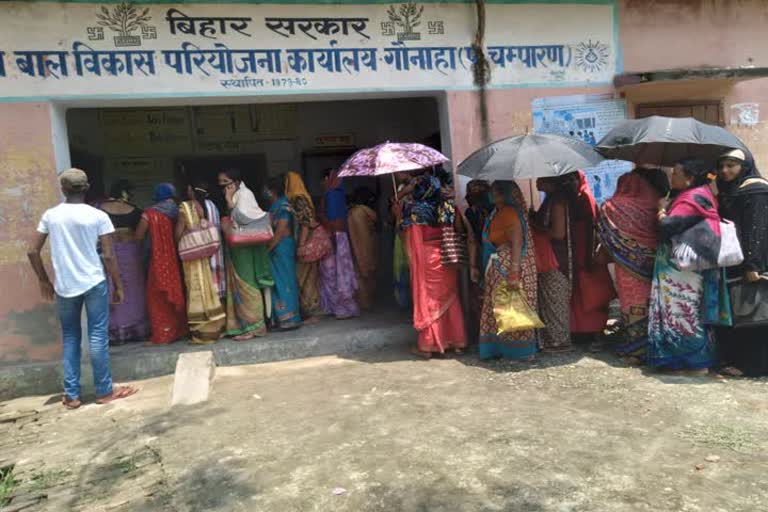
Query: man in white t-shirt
<point>75,230</point>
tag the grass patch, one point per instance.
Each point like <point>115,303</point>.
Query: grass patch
<point>7,485</point>
<point>714,436</point>
<point>42,480</point>
<point>126,464</point>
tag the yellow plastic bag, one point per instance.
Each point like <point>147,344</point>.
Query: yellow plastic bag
<point>512,311</point>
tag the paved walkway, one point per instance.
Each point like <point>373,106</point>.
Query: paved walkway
<point>383,432</point>
<point>132,361</point>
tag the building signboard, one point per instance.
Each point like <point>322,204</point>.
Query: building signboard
<point>74,50</point>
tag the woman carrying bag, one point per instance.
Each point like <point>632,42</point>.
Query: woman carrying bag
<point>744,200</point>
<point>686,299</point>
<point>249,277</point>
<point>198,240</point>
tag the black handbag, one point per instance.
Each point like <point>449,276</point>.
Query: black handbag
<point>749,302</point>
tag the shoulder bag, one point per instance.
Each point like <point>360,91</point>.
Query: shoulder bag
<point>256,232</point>
<point>201,238</point>
<point>317,246</point>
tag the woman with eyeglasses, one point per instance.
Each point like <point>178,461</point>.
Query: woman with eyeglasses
<point>249,278</point>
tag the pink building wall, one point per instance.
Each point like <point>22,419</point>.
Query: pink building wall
<point>28,327</point>
<point>654,35</point>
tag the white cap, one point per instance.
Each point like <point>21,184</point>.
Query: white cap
<point>735,154</point>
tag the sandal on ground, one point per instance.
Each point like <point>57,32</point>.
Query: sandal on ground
<point>245,337</point>
<point>632,361</point>
<point>421,354</point>
<point>118,392</point>
<point>70,403</point>
<point>731,371</point>
<point>558,350</point>
<point>596,346</point>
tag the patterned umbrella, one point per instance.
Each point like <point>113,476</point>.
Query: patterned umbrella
<point>389,158</point>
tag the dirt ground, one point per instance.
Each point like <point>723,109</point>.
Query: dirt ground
<point>389,433</point>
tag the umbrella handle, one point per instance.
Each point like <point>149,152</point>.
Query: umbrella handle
<point>530,186</point>
<point>394,185</point>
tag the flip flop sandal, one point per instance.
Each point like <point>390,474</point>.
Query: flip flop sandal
<point>118,392</point>
<point>70,404</point>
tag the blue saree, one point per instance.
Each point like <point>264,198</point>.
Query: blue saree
<point>282,260</point>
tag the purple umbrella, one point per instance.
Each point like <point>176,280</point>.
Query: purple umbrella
<point>389,158</point>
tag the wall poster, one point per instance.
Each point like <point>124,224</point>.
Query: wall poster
<point>588,117</point>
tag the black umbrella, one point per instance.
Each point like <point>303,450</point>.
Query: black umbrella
<point>666,140</point>
<point>529,156</point>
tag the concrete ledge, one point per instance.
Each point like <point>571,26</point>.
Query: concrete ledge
<point>136,361</point>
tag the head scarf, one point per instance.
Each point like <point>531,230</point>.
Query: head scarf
<point>729,190</point>
<point>294,187</point>
<point>164,191</point>
<point>422,207</point>
<point>164,200</point>
<point>480,205</point>
<point>300,199</point>
<point>694,221</point>
<point>246,208</point>
<point>628,227</point>
<point>479,194</point>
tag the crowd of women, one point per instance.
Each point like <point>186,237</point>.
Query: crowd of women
<point>312,263</point>
<point>570,259</point>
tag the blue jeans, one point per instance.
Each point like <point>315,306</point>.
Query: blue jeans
<point>97,311</point>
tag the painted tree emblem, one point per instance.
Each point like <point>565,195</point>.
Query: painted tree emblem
<point>125,19</point>
<point>407,18</point>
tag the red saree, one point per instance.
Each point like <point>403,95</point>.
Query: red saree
<point>166,305</point>
<point>437,313</point>
<point>592,284</point>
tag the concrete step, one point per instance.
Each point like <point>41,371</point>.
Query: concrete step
<point>136,361</point>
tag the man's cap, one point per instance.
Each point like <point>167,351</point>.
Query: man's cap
<point>74,180</point>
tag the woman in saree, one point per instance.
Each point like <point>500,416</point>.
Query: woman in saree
<point>480,205</point>
<point>509,260</point>
<point>218,271</point>
<point>628,233</point>
<point>401,273</point>
<point>307,273</point>
<point>282,257</point>
<point>166,305</point>
<point>744,201</point>
<point>437,312</point>
<point>568,216</point>
<point>338,282</point>
<point>549,227</point>
<point>362,234</point>
<point>249,278</point>
<point>205,314</point>
<point>678,337</point>
<point>127,320</point>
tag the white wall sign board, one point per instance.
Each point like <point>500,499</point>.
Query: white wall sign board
<point>60,50</point>
<point>588,118</point>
